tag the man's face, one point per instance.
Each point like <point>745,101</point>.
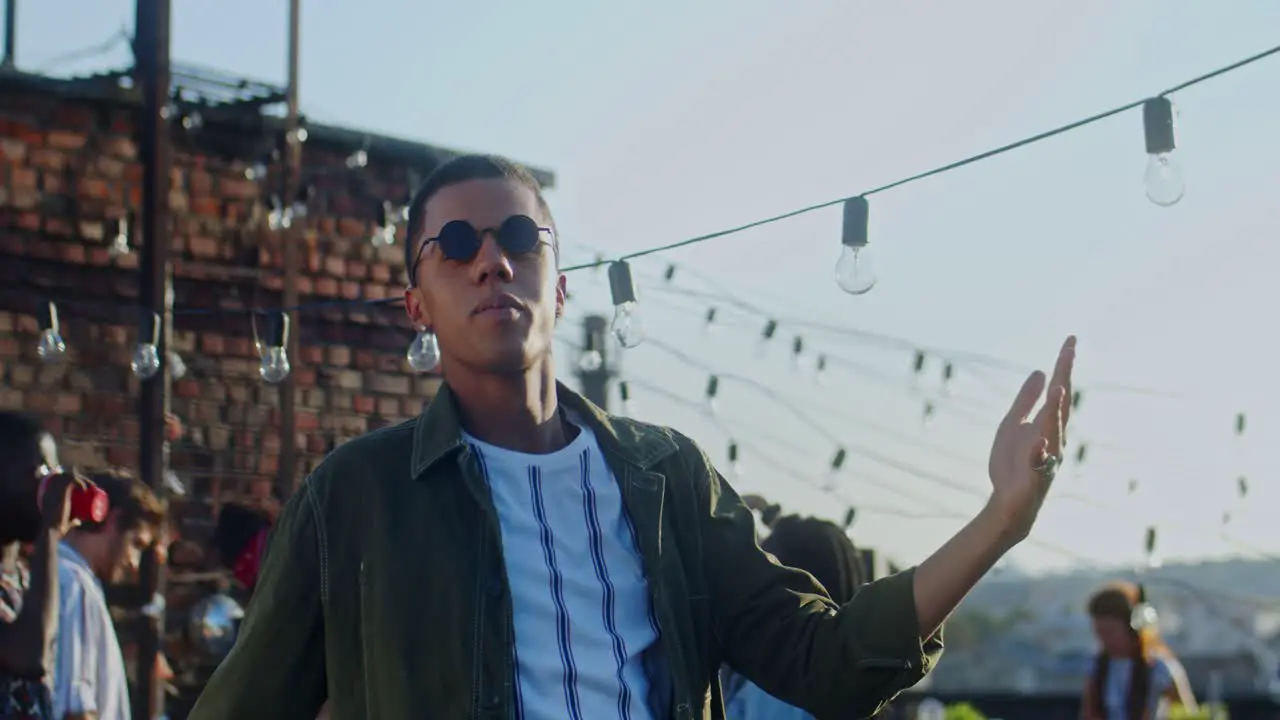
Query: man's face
<point>124,549</point>
<point>449,296</point>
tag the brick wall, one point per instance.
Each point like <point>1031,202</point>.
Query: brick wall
<point>68,164</point>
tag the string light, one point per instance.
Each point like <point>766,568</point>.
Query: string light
<point>1163,179</point>
<point>837,462</point>
<point>735,464</point>
<point>855,273</point>
<point>51,347</point>
<point>626,326</point>
<point>146,357</point>
<point>713,388</point>
<point>797,349</point>
<point>424,352</point>
<point>384,230</point>
<point>118,230</point>
<point>624,394</point>
<point>1149,548</point>
<point>591,359</point>
<point>275,357</point>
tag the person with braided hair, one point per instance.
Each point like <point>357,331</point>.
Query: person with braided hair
<point>1135,675</point>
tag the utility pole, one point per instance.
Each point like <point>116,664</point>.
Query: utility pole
<point>151,67</point>
<point>10,34</point>
<point>288,478</point>
<point>594,369</point>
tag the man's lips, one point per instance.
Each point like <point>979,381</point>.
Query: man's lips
<point>501,304</point>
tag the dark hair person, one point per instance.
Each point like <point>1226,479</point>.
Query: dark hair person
<point>1135,675</point>
<point>517,551</point>
<point>29,594</point>
<point>822,549</point>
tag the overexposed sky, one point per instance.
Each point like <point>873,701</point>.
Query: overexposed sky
<point>665,119</point>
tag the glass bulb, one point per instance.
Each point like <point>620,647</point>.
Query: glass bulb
<point>590,361</point>
<point>51,347</point>
<point>855,273</point>
<point>626,325</point>
<point>146,361</point>
<point>424,351</point>
<point>275,365</point>
<point>384,236</point>
<point>1163,179</point>
<point>119,246</point>
<point>177,368</point>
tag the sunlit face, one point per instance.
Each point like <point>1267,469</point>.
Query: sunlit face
<point>1114,635</point>
<point>124,550</point>
<point>495,313</point>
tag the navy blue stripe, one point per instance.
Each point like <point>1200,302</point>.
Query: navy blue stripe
<point>563,638</point>
<point>608,603</point>
<point>653,615</point>
<point>515,655</point>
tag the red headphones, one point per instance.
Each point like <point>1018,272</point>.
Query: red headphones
<point>89,503</point>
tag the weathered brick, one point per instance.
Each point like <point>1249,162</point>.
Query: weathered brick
<point>386,384</point>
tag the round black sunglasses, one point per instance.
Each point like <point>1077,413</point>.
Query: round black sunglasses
<point>460,241</point>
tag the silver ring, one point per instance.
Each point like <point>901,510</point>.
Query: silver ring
<point>1047,468</point>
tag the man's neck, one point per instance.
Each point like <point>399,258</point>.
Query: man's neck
<point>517,412</point>
<point>81,545</point>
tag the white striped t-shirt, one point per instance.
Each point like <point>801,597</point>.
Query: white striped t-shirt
<point>579,595</point>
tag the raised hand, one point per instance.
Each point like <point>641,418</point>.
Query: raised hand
<point>1027,450</point>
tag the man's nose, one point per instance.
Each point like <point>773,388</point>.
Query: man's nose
<point>491,263</point>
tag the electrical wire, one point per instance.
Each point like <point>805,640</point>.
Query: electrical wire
<point>1038,137</point>
<point>86,53</point>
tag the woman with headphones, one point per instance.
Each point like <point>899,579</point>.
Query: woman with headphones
<point>1135,675</point>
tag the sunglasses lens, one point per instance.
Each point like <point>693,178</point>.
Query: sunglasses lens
<point>519,235</point>
<point>458,240</point>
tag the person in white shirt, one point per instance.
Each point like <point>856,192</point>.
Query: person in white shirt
<point>89,678</point>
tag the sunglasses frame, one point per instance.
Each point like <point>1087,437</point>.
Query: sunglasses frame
<point>480,234</point>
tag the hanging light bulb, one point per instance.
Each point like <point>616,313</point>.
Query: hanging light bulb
<point>709,319</point>
<point>797,350</point>
<point>1149,548</point>
<point>849,516</point>
<point>735,463</point>
<point>177,368</point>
<point>837,462</point>
<point>626,326</point>
<point>357,159</point>
<point>855,273</point>
<point>118,231</point>
<point>384,231</point>
<point>1163,179</point>
<point>275,356</point>
<point>256,171</point>
<point>592,359</point>
<point>51,348</point>
<point>624,394</point>
<point>820,367</point>
<point>1240,423</point>
<point>279,217</point>
<point>669,273</point>
<point>302,202</point>
<point>146,357</point>
<point>713,387</point>
<point>424,351</point>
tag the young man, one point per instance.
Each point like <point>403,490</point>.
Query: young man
<point>28,594</point>
<point>517,553</point>
<point>90,679</point>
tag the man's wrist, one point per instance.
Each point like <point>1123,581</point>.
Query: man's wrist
<point>997,528</point>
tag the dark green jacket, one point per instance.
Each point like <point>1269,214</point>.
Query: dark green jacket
<point>384,590</point>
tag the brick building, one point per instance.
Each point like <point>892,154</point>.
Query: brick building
<point>68,170</point>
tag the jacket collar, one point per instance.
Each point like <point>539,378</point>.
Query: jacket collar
<point>438,432</point>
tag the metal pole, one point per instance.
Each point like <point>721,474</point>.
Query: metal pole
<point>288,478</point>
<point>10,33</point>
<point>151,56</point>
<point>594,378</point>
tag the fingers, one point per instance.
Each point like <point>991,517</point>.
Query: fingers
<point>1062,374</point>
<point>1048,421</point>
<point>1026,399</point>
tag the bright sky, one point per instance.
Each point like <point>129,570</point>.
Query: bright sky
<point>668,119</point>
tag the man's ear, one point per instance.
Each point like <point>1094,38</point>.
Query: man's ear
<point>416,309</point>
<point>562,294</point>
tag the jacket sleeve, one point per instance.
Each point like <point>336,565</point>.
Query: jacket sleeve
<point>276,670</point>
<point>778,627</point>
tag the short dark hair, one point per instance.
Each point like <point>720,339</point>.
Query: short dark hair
<point>136,503</point>
<point>820,548</point>
<point>459,170</point>
<point>19,439</point>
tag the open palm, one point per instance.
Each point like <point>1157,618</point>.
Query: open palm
<point>1024,444</point>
